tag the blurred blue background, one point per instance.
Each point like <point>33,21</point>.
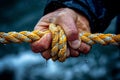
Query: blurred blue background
<point>18,62</point>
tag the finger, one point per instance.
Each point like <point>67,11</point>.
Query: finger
<point>84,48</point>
<point>46,54</point>
<point>70,29</point>
<point>42,44</point>
<point>74,53</point>
<point>42,26</point>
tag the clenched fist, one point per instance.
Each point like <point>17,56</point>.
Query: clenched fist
<point>72,23</point>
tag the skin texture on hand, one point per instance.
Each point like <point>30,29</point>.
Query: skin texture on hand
<point>72,23</point>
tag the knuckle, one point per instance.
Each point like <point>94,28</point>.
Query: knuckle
<point>61,14</point>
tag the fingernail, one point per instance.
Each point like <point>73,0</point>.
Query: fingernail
<point>75,44</point>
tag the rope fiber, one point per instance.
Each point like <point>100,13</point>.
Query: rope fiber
<point>59,39</point>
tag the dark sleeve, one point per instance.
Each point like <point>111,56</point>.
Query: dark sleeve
<point>96,11</point>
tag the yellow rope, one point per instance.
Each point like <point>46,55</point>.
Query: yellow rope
<point>59,40</point>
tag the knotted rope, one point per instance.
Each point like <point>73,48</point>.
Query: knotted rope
<point>59,40</point>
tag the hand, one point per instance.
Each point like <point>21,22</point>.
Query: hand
<point>72,23</point>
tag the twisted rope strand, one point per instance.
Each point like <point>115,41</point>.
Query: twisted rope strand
<point>62,45</point>
<point>55,38</point>
<point>100,38</point>
<point>59,40</point>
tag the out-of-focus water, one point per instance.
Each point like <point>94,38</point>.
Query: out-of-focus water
<point>18,62</point>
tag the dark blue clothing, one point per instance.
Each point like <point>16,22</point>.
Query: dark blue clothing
<point>98,12</point>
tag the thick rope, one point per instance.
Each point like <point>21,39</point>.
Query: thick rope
<point>59,40</point>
